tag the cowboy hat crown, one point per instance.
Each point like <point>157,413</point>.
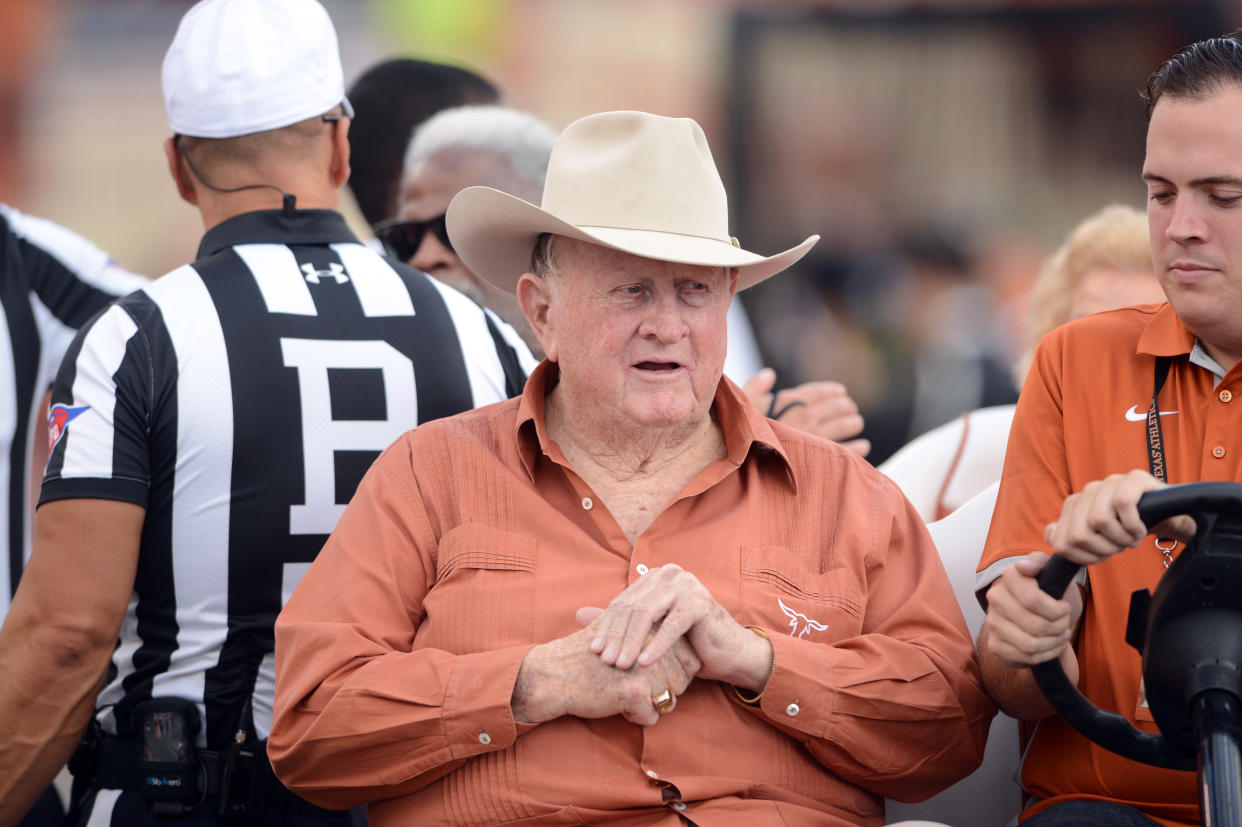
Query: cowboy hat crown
<point>635,182</point>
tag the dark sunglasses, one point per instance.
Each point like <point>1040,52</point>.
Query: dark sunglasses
<point>401,239</point>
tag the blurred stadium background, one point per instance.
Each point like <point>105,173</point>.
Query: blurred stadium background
<point>940,148</point>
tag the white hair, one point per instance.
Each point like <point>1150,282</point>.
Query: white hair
<point>522,140</point>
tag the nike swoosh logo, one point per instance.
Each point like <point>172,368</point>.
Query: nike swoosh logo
<point>1134,415</point>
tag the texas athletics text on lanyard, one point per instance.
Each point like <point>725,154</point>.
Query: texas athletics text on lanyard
<point>1155,447</point>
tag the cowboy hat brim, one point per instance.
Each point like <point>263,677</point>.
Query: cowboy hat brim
<point>494,233</point>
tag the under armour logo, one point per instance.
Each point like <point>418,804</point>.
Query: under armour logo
<point>797,619</point>
<point>334,271</point>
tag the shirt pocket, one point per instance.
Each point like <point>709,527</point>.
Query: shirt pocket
<point>483,597</point>
<point>781,594</point>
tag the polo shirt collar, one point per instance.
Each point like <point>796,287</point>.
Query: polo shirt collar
<point>277,227</point>
<point>1165,335</point>
<point>745,430</point>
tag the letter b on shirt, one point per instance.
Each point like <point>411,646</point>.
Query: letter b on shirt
<point>323,436</point>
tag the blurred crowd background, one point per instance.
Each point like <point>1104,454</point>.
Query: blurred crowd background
<point>941,148</point>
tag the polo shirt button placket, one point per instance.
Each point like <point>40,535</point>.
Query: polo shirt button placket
<point>1225,396</point>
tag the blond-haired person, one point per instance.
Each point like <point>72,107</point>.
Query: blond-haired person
<point>1104,263</point>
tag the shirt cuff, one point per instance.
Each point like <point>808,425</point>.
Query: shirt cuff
<point>477,711</point>
<point>799,694</point>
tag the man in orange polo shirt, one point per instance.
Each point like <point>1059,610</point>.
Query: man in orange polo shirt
<point>779,643</point>
<point>1079,448</point>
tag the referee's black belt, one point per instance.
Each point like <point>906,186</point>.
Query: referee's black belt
<point>117,769</point>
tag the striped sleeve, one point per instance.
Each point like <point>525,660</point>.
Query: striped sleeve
<point>497,360</point>
<point>509,341</point>
<point>101,409</point>
<point>70,280</point>
<point>69,275</point>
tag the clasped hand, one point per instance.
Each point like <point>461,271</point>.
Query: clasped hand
<point>658,634</point>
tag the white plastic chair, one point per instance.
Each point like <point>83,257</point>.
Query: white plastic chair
<point>988,797</point>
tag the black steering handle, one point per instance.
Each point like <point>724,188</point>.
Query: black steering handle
<point>1108,729</point>
<point>1189,498</point>
<point>1154,507</point>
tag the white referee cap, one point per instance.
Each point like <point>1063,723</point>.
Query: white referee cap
<point>241,66</point>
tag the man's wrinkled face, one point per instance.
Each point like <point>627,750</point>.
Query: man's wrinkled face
<point>642,340</point>
<point>1193,172</point>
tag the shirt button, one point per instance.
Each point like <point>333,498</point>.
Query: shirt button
<point>484,738</point>
<point>1218,451</point>
<point>587,503</point>
<point>652,774</point>
<point>642,568</point>
<point>1225,396</point>
<point>678,805</point>
<point>792,710</point>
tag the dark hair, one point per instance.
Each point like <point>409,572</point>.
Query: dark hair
<point>295,141</point>
<point>390,99</point>
<point>1197,70</point>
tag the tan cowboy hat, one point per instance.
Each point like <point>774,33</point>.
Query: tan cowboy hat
<point>635,182</point>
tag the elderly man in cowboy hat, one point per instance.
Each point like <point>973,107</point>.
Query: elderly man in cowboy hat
<point>778,641</point>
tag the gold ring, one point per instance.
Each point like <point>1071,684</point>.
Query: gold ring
<point>664,702</point>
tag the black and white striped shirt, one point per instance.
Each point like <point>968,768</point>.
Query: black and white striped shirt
<point>239,400</point>
<point>51,282</point>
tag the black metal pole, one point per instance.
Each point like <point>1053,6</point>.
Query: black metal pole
<point>1217,717</point>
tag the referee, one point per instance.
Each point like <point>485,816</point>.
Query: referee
<point>51,282</point>
<point>214,426</point>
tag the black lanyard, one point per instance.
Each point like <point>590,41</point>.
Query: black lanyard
<point>1156,458</point>
<point>1155,439</point>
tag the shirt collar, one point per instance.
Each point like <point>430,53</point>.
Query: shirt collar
<point>744,429</point>
<point>277,227</point>
<point>1200,357</point>
<point>1165,335</point>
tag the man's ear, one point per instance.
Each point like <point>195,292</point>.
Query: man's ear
<point>534,297</point>
<point>339,169</point>
<point>180,175</point>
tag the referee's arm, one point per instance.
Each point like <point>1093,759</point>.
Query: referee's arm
<point>58,638</point>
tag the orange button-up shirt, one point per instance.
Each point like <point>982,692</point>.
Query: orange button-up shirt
<point>472,539</point>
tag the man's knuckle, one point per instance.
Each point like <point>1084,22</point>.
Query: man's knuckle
<point>1097,522</point>
<point>632,691</point>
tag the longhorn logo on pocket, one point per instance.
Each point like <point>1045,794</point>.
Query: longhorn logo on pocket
<point>798,620</point>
